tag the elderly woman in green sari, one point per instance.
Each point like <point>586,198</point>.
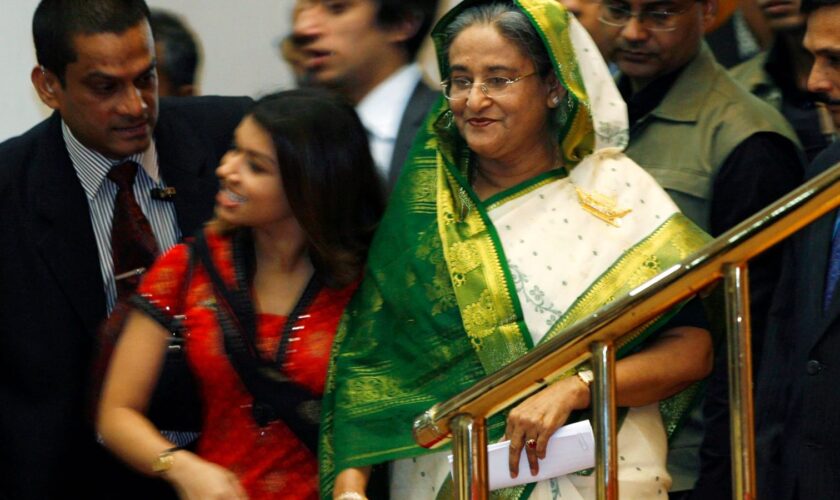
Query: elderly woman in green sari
<point>516,216</point>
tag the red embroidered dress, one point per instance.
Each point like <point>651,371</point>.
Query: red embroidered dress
<point>271,462</point>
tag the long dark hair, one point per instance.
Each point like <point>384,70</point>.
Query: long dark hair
<point>328,176</point>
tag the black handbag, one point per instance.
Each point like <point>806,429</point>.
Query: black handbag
<point>176,402</point>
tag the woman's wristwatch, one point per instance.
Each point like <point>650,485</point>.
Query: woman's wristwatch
<point>586,376</point>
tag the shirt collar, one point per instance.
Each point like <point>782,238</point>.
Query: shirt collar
<point>382,109</point>
<point>647,99</point>
<point>686,95</point>
<point>92,166</point>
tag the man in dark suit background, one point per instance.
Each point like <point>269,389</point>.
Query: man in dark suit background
<point>797,396</point>
<point>96,69</point>
<point>178,55</point>
<point>364,50</point>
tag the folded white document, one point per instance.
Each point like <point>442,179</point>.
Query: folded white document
<point>570,449</point>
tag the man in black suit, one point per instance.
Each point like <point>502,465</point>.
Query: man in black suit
<point>364,50</point>
<point>797,399</point>
<point>97,71</point>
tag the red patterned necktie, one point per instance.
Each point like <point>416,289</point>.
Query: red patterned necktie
<point>133,244</point>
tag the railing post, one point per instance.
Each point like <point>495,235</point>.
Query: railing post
<point>742,437</point>
<point>469,450</point>
<point>603,415</point>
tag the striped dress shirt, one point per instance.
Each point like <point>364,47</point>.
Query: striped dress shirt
<point>91,169</point>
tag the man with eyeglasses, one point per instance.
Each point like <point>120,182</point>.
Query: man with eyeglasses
<point>720,152</point>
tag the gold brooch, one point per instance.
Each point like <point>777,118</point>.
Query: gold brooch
<point>601,206</point>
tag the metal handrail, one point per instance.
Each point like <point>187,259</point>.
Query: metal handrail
<point>725,257</point>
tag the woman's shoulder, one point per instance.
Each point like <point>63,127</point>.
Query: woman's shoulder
<point>178,258</point>
<point>165,276</point>
<point>174,258</point>
<point>612,173</point>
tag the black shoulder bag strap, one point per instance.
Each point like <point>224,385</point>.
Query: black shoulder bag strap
<point>276,397</point>
<point>176,403</point>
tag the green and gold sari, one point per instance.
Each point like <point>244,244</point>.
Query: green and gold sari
<point>456,287</point>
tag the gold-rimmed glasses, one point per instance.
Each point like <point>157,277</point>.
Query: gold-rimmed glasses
<point>618,14</point>
<point>459,88</point>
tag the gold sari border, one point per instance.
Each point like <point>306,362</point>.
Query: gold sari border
<point>524,188</point>
<point>670,243</point>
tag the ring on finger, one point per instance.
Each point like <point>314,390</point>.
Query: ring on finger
<point>531,443</point>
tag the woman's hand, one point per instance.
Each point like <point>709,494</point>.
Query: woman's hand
<point>679,357</point>
<point>354,480</point>
<point>197,479</point>
<point>539,416</point>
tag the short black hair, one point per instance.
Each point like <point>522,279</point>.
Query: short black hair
<point>179,47</point>
<point>809,6</point>
<point>56,22</point>
<point>328,176</point>
<point>393,12</point>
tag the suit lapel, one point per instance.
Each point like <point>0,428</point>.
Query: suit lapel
<point>817,246</point>
<point>186,164</point>
<point>65,235</point>
<point>418,106</point>
<point>816,242</point>
<point>833,311</point>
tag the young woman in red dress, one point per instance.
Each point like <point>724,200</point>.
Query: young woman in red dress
<point>258,295</point>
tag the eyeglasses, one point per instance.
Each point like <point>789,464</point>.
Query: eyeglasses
<point>459,88</point>
<point>615,14</point>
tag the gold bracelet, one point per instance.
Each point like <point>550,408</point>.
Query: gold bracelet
<point>164,460</point>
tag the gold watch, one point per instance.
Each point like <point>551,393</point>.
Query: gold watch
<point>164,461</point>
<point>586,376</point>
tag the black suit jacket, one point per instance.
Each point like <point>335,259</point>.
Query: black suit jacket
<point>798,387</point>
<point>51,293</point>
<point>415,112</point>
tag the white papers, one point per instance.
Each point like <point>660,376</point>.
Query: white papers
<point>570,449</point>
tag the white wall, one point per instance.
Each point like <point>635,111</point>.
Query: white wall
<point>238,40</point>
<point>237,37</point>
<point>19,106</point>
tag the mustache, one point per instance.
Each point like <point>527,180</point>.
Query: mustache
<point>826,99</point>
<point>626,45</point>
<point>134,123</point>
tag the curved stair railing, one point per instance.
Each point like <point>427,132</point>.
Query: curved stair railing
<point>462,418</point>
